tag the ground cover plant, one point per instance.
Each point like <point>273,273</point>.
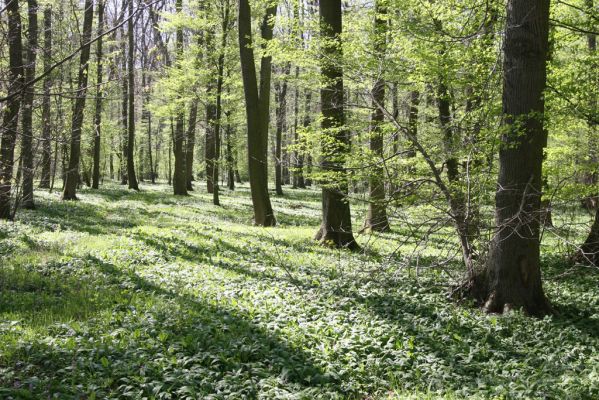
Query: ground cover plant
<point>148,295</point>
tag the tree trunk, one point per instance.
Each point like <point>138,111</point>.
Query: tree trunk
<point>46,112</point>
<point>27,105</point>
<point>179,173</point>
<point>131,126</point>
<point>336,227</point>
<point>589,251</point>
<point>513,275</point>
<point>10,119</point>
<point>377,220</point>
<point>281,114</point>
<point>210,149</point>
<point>99,95</point>
<point>191,142</point>
<point>72,175</point>
<point>230,157</point>
<point>257,110</point>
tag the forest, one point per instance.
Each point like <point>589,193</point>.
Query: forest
<point>299,199</point>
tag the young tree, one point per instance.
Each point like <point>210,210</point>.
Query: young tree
<point>257,109</point>
<point>336,227</point>
<point>27,104</point>
<point>99,95</point>
<point>179,173</point>
<point>46,113</point>
<point>10,119</point>
<point>377,220</point>
<point>131,178</point>
<point>513,275</point>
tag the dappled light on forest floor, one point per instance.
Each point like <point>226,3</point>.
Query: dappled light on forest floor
<point>126,294</point>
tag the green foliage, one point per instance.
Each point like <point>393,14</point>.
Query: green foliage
<point>133,295</point>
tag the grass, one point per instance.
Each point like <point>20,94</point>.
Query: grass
<point>146,295</point>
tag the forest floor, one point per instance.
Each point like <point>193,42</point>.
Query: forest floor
<point>147,295</point>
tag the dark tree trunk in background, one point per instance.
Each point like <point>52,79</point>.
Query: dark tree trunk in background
<point>257,110</point>
<point>230,157</point>
<point>377,220</point>
<point>72,175</point>
<point>46,113</point>
<point>179,173</point>
<point>513,275</point>
<point>336,227</point>
<point>281,116</point>
<point>191,142</point>
<point>210,148</point>
<point>413,119</point>
<point>10,119</point>
<point>131,125</point>
<point>99,95</point>
<point>27,109</point>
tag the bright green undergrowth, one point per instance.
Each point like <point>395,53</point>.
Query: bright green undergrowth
<point>146,295</point>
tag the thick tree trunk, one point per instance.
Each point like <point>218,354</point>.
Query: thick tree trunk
<point>10,119</point>
<point>72,175</point>
<point>124,138</point>
<point>257,110</point>
<point>99,96</point>
<point>513,275</point>
<point>336,227</point>
<point>131,81</point>
<point>377,220</point>
<point>46,113</point>
<point>27,105</point>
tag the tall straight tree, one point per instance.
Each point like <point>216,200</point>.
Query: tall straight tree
<point>99,95</point>
<point>281,116</point>
<point>10,119</point>
<point>27,114</point>
<point>336,227</point>
<point>46,113</point>
<point>257,102</point>
<point>377,220</point>
<point>72,173</point>
<point>131,178</point>
<point>179,174</point>
<point>513,275</point>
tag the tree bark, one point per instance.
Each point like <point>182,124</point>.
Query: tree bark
<point>179,173</point>
<point>281,115</point>
<point>257,110</point>
<point>376,219</point>
<point>336,227</point>
<point>191,142</point>
<point>27,106</point>
<point>10,119</point>
<point>131,114</point>
<point>72,175</point>
<point>46,112</point>
<point>513,275</point>
<point>99,96</point>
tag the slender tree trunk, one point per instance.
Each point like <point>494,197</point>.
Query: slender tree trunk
<point>336,227</point>
<point>257,111</point>
<point>513,275</point>
<point>131,114</point>
<point>99,96</point>
<point>281,116</point>
<point>230,159</point>
<point>46,112</point>
<point>27,113</point>
<point>191,142</point>
<point>10,119</point>
<point>179,175</point>
<point>72,176</point>
<point>377,220</point>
